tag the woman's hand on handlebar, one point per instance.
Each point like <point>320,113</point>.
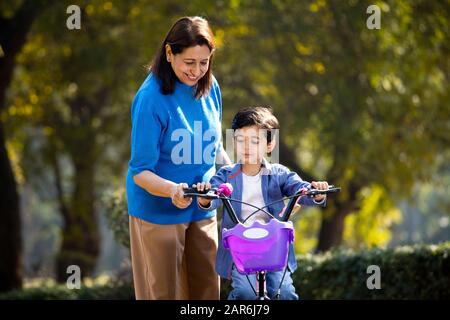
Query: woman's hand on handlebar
<point>178,198</point>
<point>201,186</point>
<point>320,185</point>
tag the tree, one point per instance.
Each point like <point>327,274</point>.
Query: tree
<point>15,24</point>
<point>79,87</point>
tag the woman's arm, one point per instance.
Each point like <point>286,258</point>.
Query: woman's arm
<point>154,184</point>
<point>222,156</point>
<point>161,187</point>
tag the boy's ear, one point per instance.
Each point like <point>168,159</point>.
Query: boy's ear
<point>271,145</point>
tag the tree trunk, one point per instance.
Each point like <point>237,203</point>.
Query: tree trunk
<point>333,218</point>
<point>13,32</point>
<point>80,234</point>
<point>10,235</point>
<point>331,229</point>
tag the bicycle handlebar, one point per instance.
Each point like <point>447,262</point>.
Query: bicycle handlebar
<point>207,194</point>
<point>314,192</point>
<point>216,193</point>
<point>305,192</point>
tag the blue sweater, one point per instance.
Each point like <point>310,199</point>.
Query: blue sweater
<point>175,136</point>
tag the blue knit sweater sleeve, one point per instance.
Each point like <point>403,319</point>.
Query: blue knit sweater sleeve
<point>147,129</point>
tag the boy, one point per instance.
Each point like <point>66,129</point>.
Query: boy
<point>258,182</point>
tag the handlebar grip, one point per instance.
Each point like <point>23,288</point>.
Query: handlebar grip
<point>194,190</point>
<point>314,192</point>
<point>208,194</point>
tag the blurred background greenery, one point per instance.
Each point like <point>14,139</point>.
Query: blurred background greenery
<point>364,109</point>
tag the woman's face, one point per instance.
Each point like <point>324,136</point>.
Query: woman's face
<point>191,64</point>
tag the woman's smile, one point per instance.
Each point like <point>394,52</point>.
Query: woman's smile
<point>191,78</point>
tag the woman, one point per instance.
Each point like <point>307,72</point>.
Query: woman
<point>175,138</point>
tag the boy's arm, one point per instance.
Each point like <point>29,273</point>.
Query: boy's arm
<point>216,181</point>
<point>292,183</point>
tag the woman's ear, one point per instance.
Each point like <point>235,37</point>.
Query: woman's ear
<point>169,54</point>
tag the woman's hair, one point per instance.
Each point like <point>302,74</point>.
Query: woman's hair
<point>186,32</point>
<point>259,116</point>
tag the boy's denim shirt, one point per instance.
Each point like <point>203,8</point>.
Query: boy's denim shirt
<point>277,181</point>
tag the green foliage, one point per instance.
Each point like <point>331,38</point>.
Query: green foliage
<point>365,109</point>
<point>109,291</point>
<point>371,225</point>
<point>361,108</point>
<point>307,224</point>
<point>116,213</point>
<point>416,272</point>
<point>44,293</point>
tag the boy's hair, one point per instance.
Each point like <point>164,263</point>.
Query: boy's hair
<point>259,116</point>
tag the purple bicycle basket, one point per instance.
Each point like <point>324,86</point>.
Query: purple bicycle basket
<point>260,246</point>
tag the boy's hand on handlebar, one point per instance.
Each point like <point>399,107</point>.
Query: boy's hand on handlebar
<point>320,185</point>
<point>178,198</point>
<point>202,186</point>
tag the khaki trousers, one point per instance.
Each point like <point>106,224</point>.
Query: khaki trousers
<point>174,262</point>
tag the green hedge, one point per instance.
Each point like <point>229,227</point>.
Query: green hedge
<point>111,291</point>
<point>413,272</point>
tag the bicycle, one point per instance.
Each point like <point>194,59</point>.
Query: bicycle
<point>259,247</point>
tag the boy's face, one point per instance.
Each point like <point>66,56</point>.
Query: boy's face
<point>251,144</point>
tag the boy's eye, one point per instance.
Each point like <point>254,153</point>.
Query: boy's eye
<point>189,63</point>
<point>255,141</point>
<point>240,140</point>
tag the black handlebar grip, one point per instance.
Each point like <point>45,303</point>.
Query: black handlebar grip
<point>194,190</point>
<point>314,192</point>
<point>191,192</point>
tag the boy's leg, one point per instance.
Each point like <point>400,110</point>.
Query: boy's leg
<point>242,290</point>
<point>157,258</point>
<point>287,290</point>
<point>200,254</point>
